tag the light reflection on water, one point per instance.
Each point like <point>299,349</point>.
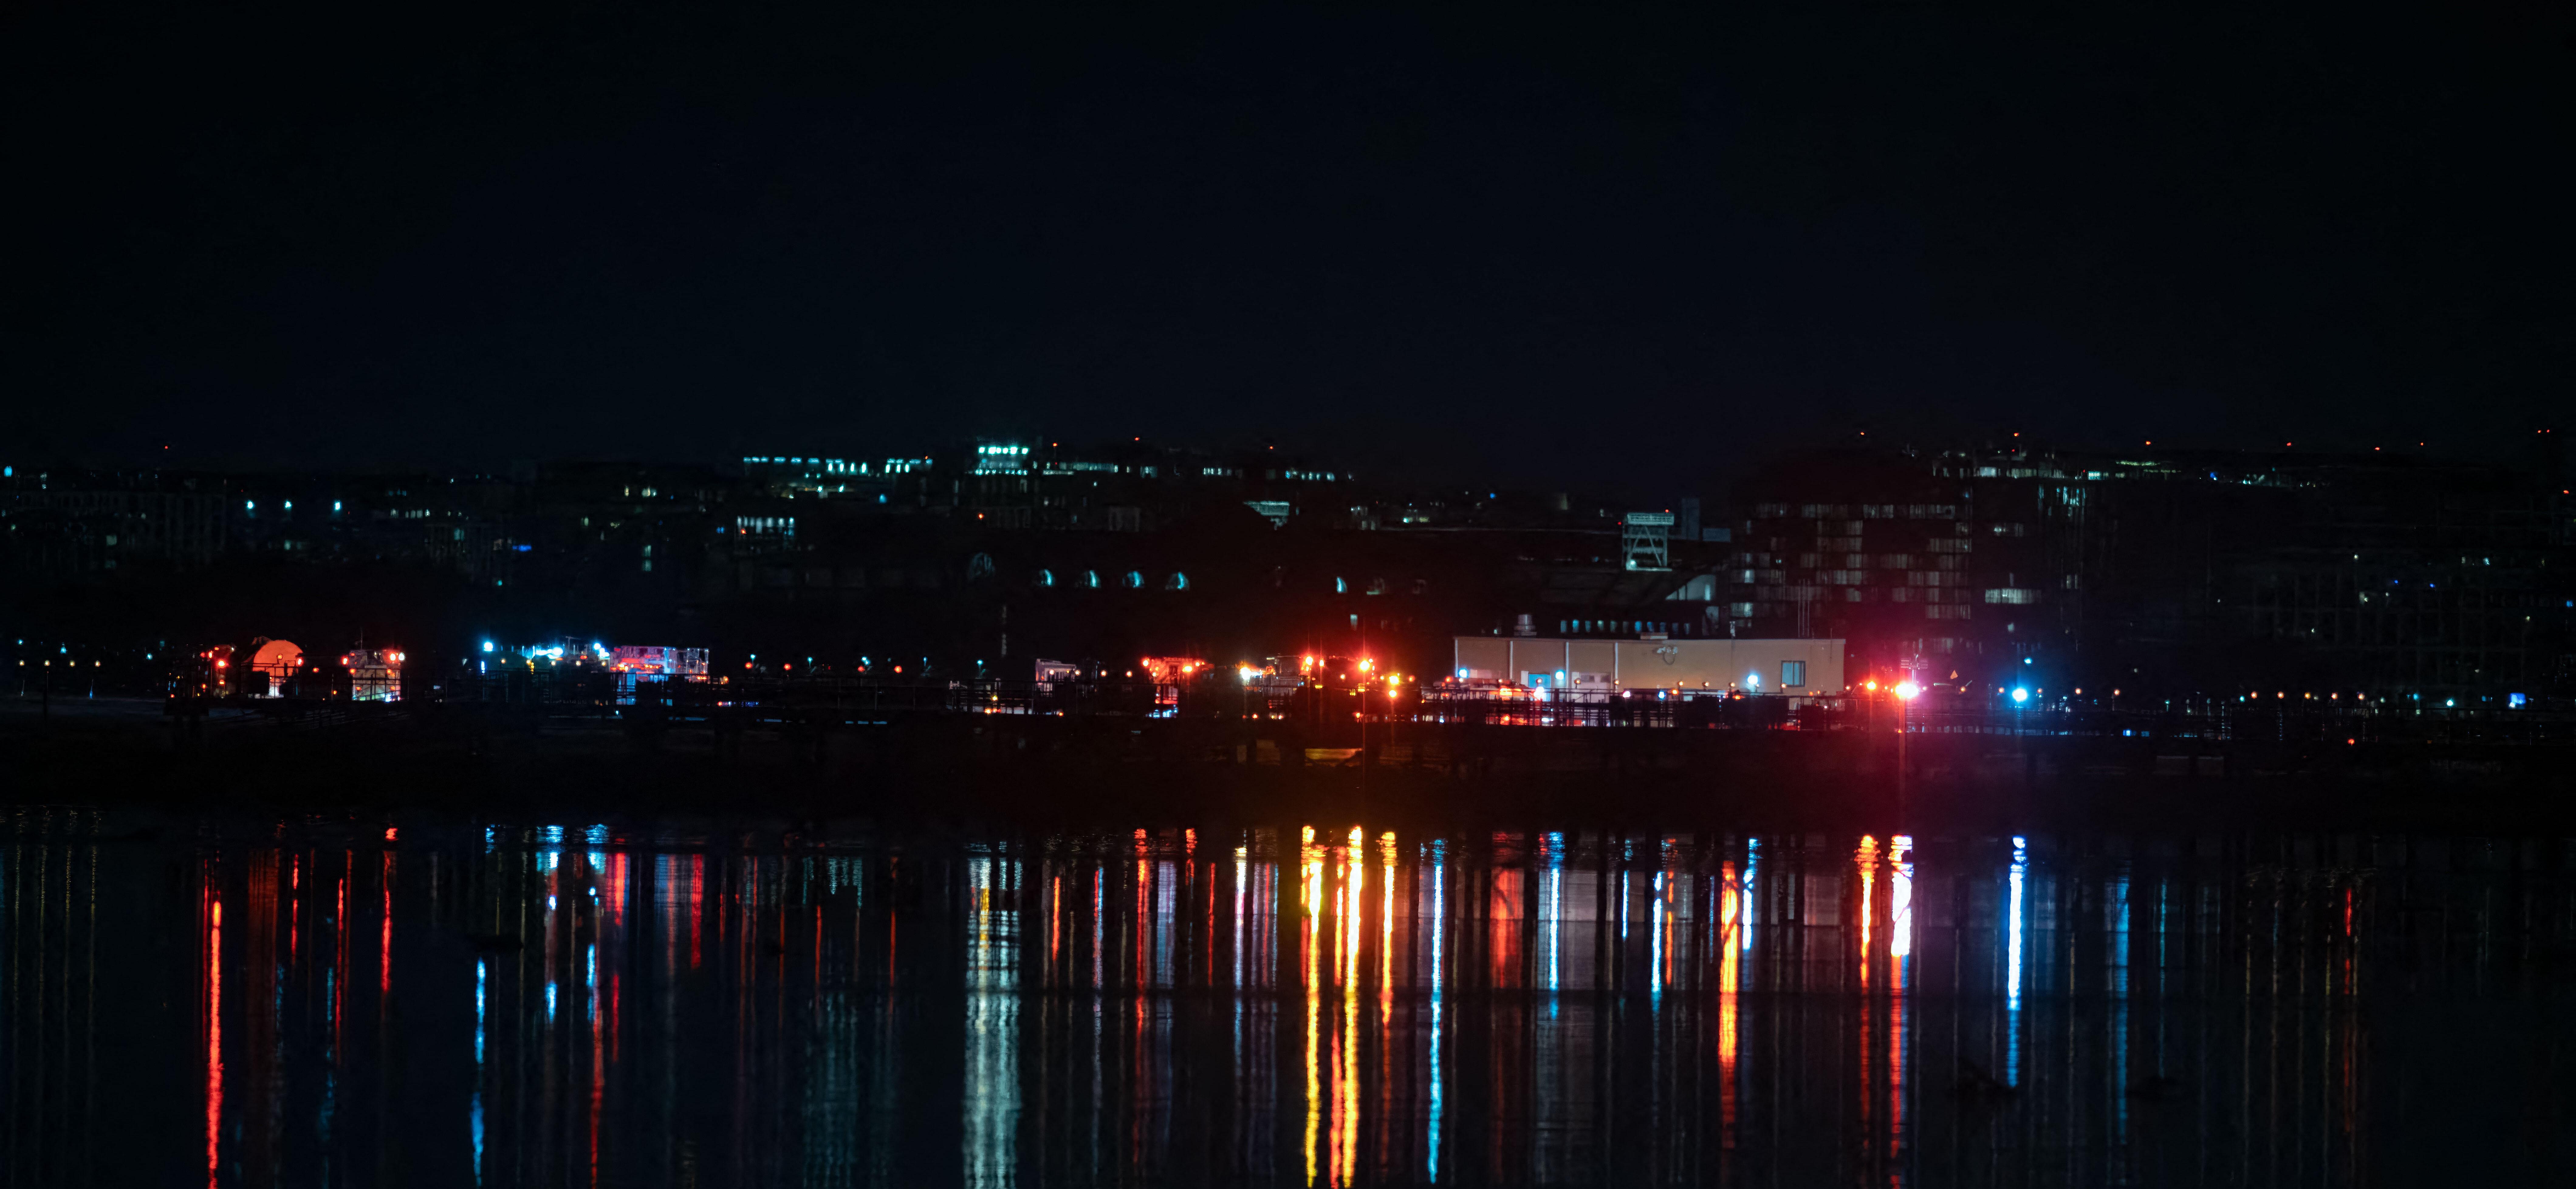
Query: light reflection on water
<point>576,1004</point>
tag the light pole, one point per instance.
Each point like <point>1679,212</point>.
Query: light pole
<point>1251,734</point>
<point>2021,729</point>
<point>1906,692</point>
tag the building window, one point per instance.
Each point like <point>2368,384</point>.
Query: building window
<point>2009,594</point>
<point>1793,674</point>
<point>1046,577</point>
<point>1135,579</point>
<point>1341,586</point>
<point>1178,581</point>
<point>1091,578</point>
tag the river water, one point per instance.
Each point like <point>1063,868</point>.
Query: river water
<point>345,1002</point>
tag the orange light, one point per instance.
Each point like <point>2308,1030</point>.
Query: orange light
<point>1870,685</point>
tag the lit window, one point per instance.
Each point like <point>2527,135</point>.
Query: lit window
<point>1793,674</point>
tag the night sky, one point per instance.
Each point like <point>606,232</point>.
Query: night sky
<point>1502,243</point>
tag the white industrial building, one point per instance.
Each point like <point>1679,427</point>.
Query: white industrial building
<point>1755,666</point>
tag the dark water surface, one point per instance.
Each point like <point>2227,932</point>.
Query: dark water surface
<point>327,1003</point>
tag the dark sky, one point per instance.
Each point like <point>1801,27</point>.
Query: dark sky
<point>1484,241</point>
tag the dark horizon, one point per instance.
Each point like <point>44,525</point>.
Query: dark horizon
<point>1656,247</point>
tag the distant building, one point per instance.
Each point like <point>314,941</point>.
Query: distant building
<point>375,674</point>
<point>1793,667</point>
<point>64,523</point>
<point>2186,572</point>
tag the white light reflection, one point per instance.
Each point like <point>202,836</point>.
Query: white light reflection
<point>2119,922</point>
<point>1166,893</point>
<point>2012,963</point>
<point>1744,918</point>
<point>1099,1010</point>
<point>992,1023</point>
<point>1900,978</point>
<point>1655,948</point>
<point>1900,905</point>
<point>482,971</point>
<point>1439,918</point>
<point>1555,924</point>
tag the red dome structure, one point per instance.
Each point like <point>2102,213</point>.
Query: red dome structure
<point>278,660</point>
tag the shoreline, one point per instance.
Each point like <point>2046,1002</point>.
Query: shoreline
<point>1088,773</point>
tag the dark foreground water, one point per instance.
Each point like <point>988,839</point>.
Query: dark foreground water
<point>324,1003</point>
